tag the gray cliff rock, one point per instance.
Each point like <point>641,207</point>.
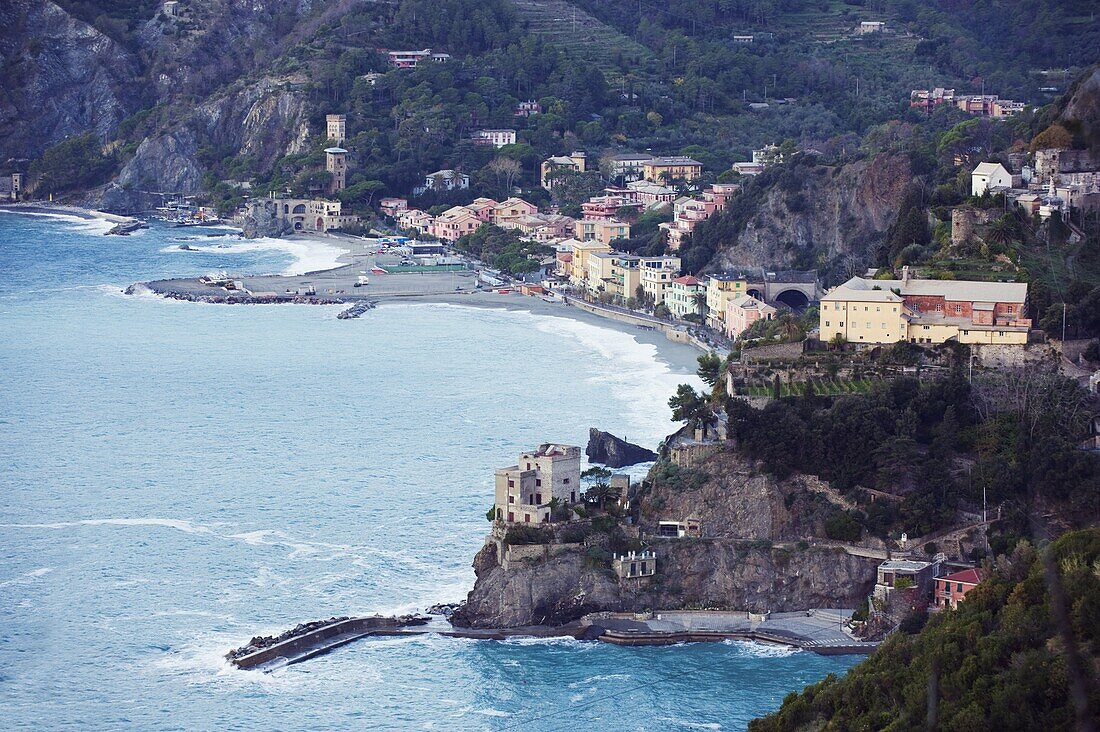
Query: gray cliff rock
<point>615,452</point>
<point>264,120</point>
<point>61,77</point>
<point>690,574</point>
<point>839,215</point>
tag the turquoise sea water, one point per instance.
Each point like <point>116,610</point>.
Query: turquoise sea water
<point>176,477</point>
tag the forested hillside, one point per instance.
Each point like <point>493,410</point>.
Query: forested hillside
<point>1019,654</point>
<point>231,91</point>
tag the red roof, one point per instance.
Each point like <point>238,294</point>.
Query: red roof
<point>686,280</point>
<point>967,576</point>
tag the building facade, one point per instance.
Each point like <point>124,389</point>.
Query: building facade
<point>336,128</point>
<point>925,311</point>
<point>496,138</point>
<point>721,288</point>
<point>951,590</point>
<point>657,275</point>
<point>677,167</point>
<point>554,166</point>
<point>742,312</point>
<point>989,177</point>
<point>302,214</point>
<point>336,163</point>
<point>524,490</point>
<point>412,59</point>
<point>682,296</point>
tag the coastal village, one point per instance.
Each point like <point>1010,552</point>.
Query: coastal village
<point>612,550</point>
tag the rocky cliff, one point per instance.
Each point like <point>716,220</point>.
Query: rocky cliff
<point>830,217</point>
<point>60,77</point>
<point>760,547</point>
<point>264,120</point>
<point>690,574</point>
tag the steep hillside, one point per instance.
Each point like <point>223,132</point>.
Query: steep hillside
<point>1019,654</point>
<point>60,77</point>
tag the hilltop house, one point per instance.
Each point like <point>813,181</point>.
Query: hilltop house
<point>524,490</point>
<point>527,108</point>
<point>925,311</point>
<point>627,167</point>
<point>443,180</point>
<point>412,59</point>
<point>989,177</point>
<point>950,590</point>
<point>496,138</point>
<point>553,166</point>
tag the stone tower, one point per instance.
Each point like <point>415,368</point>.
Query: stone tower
<point>336,162</point>
<point>337,124</point>
<point>16,185</point>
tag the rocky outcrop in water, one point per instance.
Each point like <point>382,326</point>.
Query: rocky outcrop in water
<point>756,551</point>
<point>615,452</point>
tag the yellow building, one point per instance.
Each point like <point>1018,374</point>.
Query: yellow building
<point>721,289</point>
<point>925,311</point>
<point>678,167</point>
<point>578,272</point>
<point>574,163</point>
<point>601,266</point>
<point>626,276</point>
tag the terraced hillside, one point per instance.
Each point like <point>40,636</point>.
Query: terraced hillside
<point>567,26</point>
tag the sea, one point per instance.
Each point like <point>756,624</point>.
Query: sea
<point>176,478</point>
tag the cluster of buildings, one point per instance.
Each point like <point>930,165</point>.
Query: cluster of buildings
<point>985,105</point>
<point>625,168</point>
<point>457,221</point>
<point>874,311</point>
<point>728,302</point>
<point>1061,181</point>
<point>926,580</point>
<point>688,211</point>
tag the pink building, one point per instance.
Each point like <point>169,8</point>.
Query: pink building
<point>954,587</point>
<point>743,311</point>
<point>688,212</point>
<point>454,223</point>
<point>483,208</point>
<point>393,206</point>
<point>513,208</point>
<point>414,219</point>
<point>605,207</point>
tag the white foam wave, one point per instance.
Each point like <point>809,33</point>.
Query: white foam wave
<point>310,255</point>
<point>93,225</point>
<point>185,526</point>
<point>754,649</point>
<point>27,576</point>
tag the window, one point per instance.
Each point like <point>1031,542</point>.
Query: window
<point>511,499</point>
<point>511,483</point>
<point>842,324</point>
<point>959,587</point>
<point>1000,333</point>
<point>538,481</point>
<point>526,518</point>
<point>958,309</point>
<point>565,481</point>
<point>538,499</point>
<point>826,323</point>
<point>511,516</point>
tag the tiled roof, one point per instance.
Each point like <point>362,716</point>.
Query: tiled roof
<point>967,576</point>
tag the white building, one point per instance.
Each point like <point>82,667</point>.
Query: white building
<point>989,177</point>
<point>496,138</point>
<point>443,180</point>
